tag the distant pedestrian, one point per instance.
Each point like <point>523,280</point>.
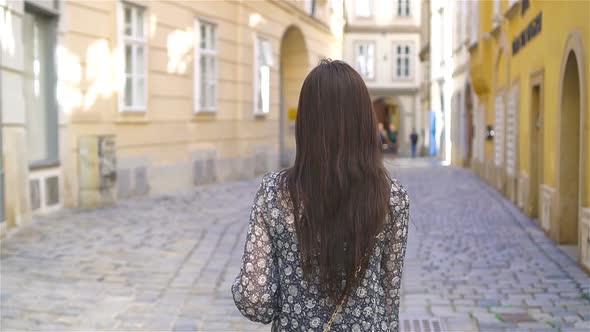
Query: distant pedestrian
<point>414,141</point>
<point>327,237</point>
<point>393,138</point>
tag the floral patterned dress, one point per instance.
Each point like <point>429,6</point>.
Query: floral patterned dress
<point>270,286</point>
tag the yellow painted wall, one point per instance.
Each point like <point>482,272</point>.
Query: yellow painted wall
<point>544,52</point>
<point>169,132</point>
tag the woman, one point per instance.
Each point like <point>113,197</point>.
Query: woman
<point>327,237</point>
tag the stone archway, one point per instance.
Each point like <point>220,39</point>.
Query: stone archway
<point>388,111</point>
<point>294,68</point>
<point>572,137</point>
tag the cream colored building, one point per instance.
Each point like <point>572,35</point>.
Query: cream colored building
<point>441,79</point>
<point>382,41</point>
<point>104,100</point>
<point>463,113</point>
<point>425,84</point>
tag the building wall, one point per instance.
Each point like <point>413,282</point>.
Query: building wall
<point>461,115</point>
<point>425,69</point>
<point>541,59</point>
<point>385,29</point>
<point>441,74</point>
<point>384,66</point>
<point>168,146</point>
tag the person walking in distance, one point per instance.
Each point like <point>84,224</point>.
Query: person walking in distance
<point>414,141</point>
<point>327,237</point>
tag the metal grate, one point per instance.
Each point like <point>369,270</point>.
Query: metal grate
<point>422,324</point>
<point>35,192</point>
<point>51,190</point>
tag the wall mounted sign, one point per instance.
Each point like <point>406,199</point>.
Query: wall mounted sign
<point>526,35</point>
<point>292,114</point>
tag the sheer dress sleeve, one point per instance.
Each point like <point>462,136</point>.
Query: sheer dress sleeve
<point>255,288</point>
<point>392,262</point>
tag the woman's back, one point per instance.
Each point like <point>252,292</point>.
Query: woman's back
<point>327,236</point>
<point>271,286</point>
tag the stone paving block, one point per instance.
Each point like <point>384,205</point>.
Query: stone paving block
<point>508,310</point>
<point>499,326</point>
<point>463,324</point>
<point>118,268</point>
<point>443,311</point>
<point>488,303</point>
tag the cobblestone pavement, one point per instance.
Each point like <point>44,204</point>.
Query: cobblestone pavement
<point>167,262</point>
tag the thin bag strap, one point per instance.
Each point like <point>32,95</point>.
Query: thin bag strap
<point>342,301</point>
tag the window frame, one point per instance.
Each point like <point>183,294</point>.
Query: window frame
<point>52,105</point>
<point>404,8</point>
<point>123,41</point>
<point>310,7</point>
<point>408,56</point>
<point>259,40</point>
<point>365,42</point>
<point>207,52</point>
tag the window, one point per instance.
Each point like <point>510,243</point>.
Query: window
<point>135,54</point>
<point>474,21</point>
<point>403,62</point>
<point>403,7</point>
<point>205,70</point>
<point>464,21</point>
<point>39,36</point>
<point>310,7</point>
<point>441,37</point>
<point>458,24</point>
<point>364,59</point>
<point>336,5</point>
<point>363,8</point>
<point>263,63</point>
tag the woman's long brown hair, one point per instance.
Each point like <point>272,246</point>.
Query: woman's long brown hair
<point>338,185</point>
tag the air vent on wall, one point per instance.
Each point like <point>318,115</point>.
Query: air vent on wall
<point>422,324</point>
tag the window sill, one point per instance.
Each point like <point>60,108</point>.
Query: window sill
<point>133,110</point>
<point>199,116</point>
<point>38,165</point>
<point>403,79</point>
<point>128,117</point>
<point>260,116</point>
<point>205,112</point>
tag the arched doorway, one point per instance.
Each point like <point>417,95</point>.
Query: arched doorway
<point>569,153</point>
<point>294,69</point>
<point>388,113</point>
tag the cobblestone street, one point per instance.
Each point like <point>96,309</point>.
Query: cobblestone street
<point>167,263</point>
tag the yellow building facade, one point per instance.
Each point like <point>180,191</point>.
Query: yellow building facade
<point>105,100</point>
<point>530,70</point>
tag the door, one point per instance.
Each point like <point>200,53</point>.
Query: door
<point>535,161</point>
